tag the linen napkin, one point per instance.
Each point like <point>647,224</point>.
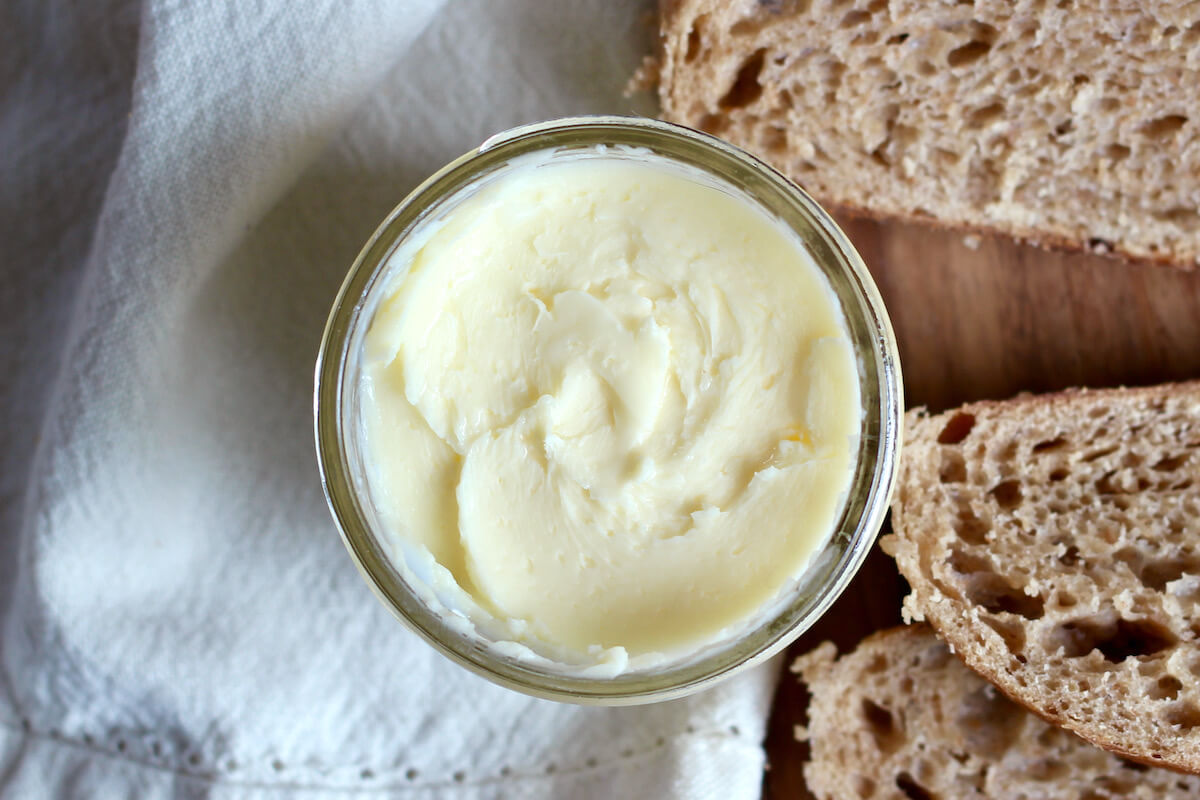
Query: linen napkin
<point>182,188</point>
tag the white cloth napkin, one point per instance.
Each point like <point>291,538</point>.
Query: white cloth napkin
<point>182,188</point>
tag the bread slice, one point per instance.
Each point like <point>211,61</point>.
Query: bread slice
<point>1072,123</point>
<point>901,718</point>
<point>1054,541</point>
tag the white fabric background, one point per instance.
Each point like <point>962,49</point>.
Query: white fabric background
<point>182,187</point>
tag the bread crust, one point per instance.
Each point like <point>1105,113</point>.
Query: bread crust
<point>1043,240</point>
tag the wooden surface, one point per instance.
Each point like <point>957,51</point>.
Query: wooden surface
<point>989,322</point>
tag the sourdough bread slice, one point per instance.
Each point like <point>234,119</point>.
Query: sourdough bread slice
<point>1073,123</point>
<point>901,718</point>
<point>1054,541</point>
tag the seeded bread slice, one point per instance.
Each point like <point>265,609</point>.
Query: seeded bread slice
<point>1073,123</point>
<point>1054,542</point>
<point>901,718</point>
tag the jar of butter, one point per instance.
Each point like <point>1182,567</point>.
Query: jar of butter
<point>607,410</point>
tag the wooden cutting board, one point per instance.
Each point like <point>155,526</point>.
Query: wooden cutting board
<point>985,317</point>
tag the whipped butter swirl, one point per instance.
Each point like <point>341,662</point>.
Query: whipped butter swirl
<point>617,405</point>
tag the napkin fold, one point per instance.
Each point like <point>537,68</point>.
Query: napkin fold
<point>183,186</point>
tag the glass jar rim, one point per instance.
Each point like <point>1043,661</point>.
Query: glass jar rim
<point>880,385</point>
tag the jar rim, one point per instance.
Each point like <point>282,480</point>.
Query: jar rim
<point>881,391</point>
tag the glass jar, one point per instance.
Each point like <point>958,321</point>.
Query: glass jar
<point>829,570</point>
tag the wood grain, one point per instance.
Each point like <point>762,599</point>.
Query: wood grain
<point>989,318</point>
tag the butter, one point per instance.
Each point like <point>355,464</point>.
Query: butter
<point>609,408</point>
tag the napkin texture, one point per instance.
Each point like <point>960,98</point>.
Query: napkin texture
<point>182,188</point>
